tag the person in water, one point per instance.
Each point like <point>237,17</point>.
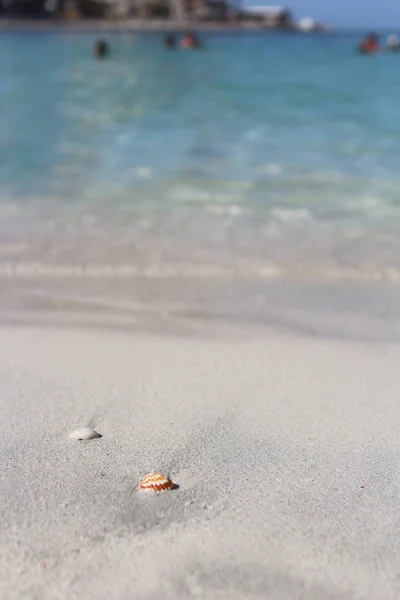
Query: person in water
<point>101,49</point>
<point>393,42</point>
<point>370,44</point>
<point>190,40</point>
<point>170,41</point>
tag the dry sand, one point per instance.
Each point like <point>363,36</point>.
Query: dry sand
<point>286,451</point>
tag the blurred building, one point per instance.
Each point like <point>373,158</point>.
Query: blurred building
<point>310,25</point>
<point>150,9</point>
<point>270,16</point>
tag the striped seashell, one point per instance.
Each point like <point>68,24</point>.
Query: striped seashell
<point>155,482</point>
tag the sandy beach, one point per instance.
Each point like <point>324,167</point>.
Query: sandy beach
<point>284,448</point>
<point>200,259</point>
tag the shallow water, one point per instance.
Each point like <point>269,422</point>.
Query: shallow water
<point>261,156</point>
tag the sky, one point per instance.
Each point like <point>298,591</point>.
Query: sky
<point>373,14</point>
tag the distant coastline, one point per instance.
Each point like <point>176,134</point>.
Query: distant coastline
<point>134,25</point>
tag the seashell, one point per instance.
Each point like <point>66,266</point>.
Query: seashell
<point>155,482</point>
<point>86,433</point>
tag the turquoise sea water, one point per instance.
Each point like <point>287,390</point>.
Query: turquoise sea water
<point>264,153</point>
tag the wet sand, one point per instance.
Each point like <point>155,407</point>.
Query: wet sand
<point>285,449</point>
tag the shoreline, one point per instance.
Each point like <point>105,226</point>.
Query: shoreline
<point>363,311</point>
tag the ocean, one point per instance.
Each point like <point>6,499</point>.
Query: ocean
<point>200,183</point>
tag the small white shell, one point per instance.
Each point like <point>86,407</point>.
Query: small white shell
<point>86,433</point>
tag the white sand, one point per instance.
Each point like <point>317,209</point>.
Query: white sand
<point>286,451</point>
